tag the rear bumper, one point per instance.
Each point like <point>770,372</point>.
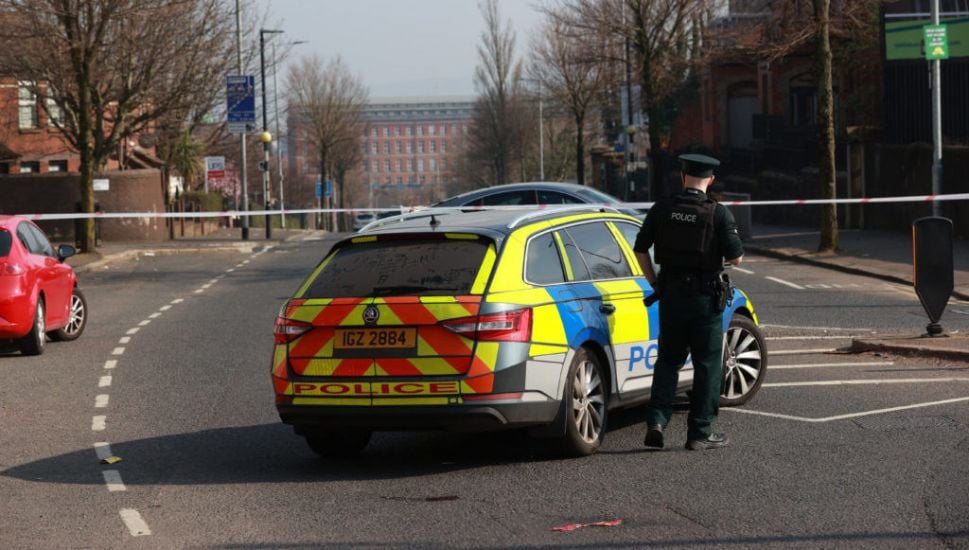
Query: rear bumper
<point>464,418</point>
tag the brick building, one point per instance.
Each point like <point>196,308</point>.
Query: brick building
<point>408,148</point>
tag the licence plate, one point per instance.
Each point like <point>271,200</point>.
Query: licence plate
<point>375,338</point>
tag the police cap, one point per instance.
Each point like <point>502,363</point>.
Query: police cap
<point>700,166</point>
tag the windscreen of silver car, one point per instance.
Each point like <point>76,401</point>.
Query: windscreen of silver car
<point>438,267</point>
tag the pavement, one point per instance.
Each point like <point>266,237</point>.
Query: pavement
<point>885,255</point>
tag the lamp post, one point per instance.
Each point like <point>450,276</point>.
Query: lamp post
<point>279,154</point>
<point>265,137</point>
<point>242,136</point>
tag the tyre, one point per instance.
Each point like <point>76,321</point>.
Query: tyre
<point>33,343</point>
<point>584,400</point>
<point>744,361</point>
<point>343,444</point>
<point>77,320</point>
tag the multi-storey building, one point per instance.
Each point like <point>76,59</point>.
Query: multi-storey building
<point>408,147</point>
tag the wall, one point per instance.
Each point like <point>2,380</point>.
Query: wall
<point>130,191</point>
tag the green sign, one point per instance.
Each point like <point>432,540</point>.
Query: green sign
<point>904,39</point>
<point>936,44</point>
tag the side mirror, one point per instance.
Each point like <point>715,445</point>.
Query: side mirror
<point>65,251</point>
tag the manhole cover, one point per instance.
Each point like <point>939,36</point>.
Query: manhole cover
<point>905,422</point>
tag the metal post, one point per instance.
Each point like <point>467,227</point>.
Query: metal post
<point>265,128</point>
<point>541,135</point>
<point>936,122</point>
<point>242,137</point>
<point>279,155</point>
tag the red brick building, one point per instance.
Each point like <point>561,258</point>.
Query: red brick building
<point>408,148</point>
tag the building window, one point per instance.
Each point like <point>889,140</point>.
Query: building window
<point>363,147</point>
<point>444,129</point>
<point>386,131</point>
<point>410,147</point>
<point>400,147</point>
<point>420,130</point>
<point>54,113</point>
<point>434,163</point>
<point>376,166</point>
<point>400,165</point>
<point>400,180</point>
<point>386,147</point>
<point>373,132</point>
<point>420,146</point>
<point>57,166</point>
<point>434,145</point>
<point>386,166</point>
<point>410,165</point>
<point>373,148</point>
<point>396,131</point>
<point>27,101</point>
<point>444,147</point>
<point>31,167</point>
<point>431,129</point>
<point>410,131</point>
<point>420,165</point>
<point>366,167</point>
<point>443,164</point>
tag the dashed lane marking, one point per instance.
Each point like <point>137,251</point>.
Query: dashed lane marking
<point>144,323</point>
<point>843,337</point>
<point>101,401</point>
<point>165,307</point>
<point>117,351</point>
<point>132,520</point>
<point>178,300</point>
<point>132,331</point>
<point>124,340</point>
<point>850,415</point>
<point>105,381</point>
<point>802,351</point>
<point>785,283</point>
<point>112,478</point>
<point>102,449</point>
<point>97,423</point>
<point>742,270</point>
<point>111,363</point>
<point>154,315</point>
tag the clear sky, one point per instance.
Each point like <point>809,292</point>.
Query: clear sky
<point>400,47</point>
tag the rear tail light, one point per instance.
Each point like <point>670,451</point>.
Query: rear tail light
<point>507,326</point>
<point>7,268</point>
<point>287,330</point>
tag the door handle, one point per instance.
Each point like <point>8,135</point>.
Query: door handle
<point>608,309</point>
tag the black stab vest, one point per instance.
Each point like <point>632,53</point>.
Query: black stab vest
<point>686,237</point>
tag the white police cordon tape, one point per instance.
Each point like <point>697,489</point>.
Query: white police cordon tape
<point>410,209</point>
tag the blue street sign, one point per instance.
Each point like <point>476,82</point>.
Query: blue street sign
<point>240,94</point>
<point>319,189</point>
<point>329,188</point>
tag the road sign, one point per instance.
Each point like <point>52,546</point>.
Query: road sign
<point>936,42</point>
<point>329,188</point>
<point>319,189</point>
<point>240,94</point>
<point>214,170</point>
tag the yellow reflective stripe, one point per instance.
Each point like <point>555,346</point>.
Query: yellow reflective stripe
<point>366,239</point>
<point>750,307</point>
<point>316,273</point>
<point>392,401</point>
<point>565,257</point>
<point>484,272</point>
<point>624,244</point>
<point>463,236</point>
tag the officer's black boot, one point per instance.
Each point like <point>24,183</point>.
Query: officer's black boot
<point>712,441</point>
<point>654,437</point>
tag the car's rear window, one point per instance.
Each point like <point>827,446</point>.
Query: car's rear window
<point>433,267</point>
<point>5,242</point>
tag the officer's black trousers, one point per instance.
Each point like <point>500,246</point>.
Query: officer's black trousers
<point>688,324</point>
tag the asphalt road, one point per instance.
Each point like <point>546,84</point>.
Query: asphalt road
<point>171,376</point>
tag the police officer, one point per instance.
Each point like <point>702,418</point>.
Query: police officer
<point>692,235</point>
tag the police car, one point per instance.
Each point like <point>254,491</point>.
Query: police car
<point>482,321</point>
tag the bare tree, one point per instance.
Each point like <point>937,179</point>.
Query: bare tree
<point>113,68</point>
<point>495,135</point>
<point>567,68</point>
<point>330,100</point>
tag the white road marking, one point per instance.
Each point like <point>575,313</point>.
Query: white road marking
<point>165,307</point>
<point>178,300</point>
<point>220,276</point>
<point>207,285</point>
<point>863,382</point>
<point>132,331</point>
<point>801,351</point>
<point>825,365</point>
<point>783,282</point>
<point>117,351</point>
<point>105,381</point>
<point>132,520</point>
<point>112,478</point>
<point>213,281</point>
<point>769,338</point>
<point>155,315</point>
<point>245,262</point>
<point>960,312</point>
<point>101,401</point>
<point>124,340</point>
<point>230,270</point>
<point>144,323</point>
<point>826,329</point>
<point>103,449</point>
<point>110,364</point>
<point>199,290</point>
<point>851,415</point>
<point>742,270</point>
<point>97,423</point>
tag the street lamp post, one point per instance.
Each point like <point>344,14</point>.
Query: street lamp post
<point>279,153</point>
<point>265,137</point>
<point>242,136</point>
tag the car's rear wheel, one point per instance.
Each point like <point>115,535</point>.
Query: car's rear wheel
<point>338,444</point>
<point>33,342</point>
<point>744,361</point>
<point>585,405</point>
<point>76,321</point>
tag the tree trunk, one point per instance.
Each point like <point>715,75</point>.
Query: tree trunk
<point>87,238</point>
<point>826,161</point>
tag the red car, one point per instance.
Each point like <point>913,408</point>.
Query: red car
<point>38,291</point>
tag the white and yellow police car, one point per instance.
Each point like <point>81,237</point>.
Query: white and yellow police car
<point>481,321</point>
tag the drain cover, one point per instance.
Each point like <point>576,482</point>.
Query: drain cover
<point>905,422</point>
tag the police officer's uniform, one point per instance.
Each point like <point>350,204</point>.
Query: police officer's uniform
<point>692,234</point>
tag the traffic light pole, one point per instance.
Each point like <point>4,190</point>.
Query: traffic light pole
<point>266,136</point>
<point>242,136</point>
